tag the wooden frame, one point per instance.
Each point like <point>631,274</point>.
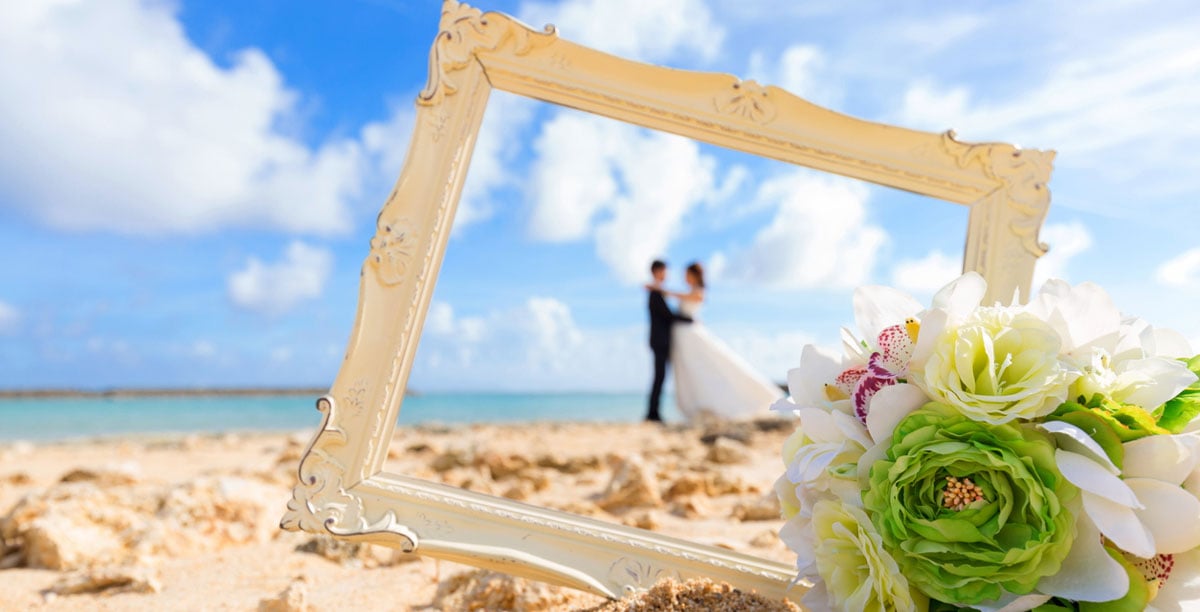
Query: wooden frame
<point>343,490</point>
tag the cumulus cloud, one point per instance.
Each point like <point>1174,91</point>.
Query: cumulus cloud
<point>275,288</point>
<point>1066,241</point>
<point>647,30</point>
<point>801,69</point>
<point>927,274</point>
<point>820,236</point>
<point>10,318</point>
<point>1181,271</point>
<point>114,120</point>
<point>626,187</point>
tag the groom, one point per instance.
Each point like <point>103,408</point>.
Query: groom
<point>661,319</point>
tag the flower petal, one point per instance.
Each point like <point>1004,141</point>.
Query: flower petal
<point>873,454</point>
<point>807,382</point>
<point>1167,458</point>
<point>877,307</point>
<point>1014,603</point>
<point>1171,514</point>
<point>1170,343</point>
<point>890,405</point>
<point>1093,478</point>
<point>1088,573</point>
<point>1154,380</point>
<point>1071,438</point>
<point>1181,592</point>
<point>1119,524</point>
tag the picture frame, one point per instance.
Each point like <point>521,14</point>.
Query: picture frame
<point>343,490</point>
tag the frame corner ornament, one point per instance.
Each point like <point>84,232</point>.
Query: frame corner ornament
<point>465,31</point>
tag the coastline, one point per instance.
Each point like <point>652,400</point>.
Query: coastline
<point>122,392</point>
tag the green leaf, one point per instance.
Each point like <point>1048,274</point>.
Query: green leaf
<point>1100,430</point>
<point>1178,412</point>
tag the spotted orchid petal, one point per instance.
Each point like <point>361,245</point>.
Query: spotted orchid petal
<point>1119,524</point>
<point>1179,591</point>
<point>1088,573</point>
<point>890,405</point>
<point>1171,514</point>
<point>877,307</point>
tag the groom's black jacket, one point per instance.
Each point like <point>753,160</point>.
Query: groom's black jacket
<point>661,318</point>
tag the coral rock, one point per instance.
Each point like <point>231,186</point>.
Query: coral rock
<point>765,509</point>
<point>488,590</point>
<point>631,487</point>
<point>725,451</point>
<point>108,579</point>
<point>292,599</point>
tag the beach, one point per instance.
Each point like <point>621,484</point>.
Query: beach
<point>190,521</point>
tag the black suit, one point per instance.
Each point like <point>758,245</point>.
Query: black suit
<point>661,319</point>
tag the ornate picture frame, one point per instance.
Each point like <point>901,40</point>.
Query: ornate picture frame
<point>343,490</point>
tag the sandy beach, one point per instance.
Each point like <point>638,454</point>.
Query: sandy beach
<point>191,522</point>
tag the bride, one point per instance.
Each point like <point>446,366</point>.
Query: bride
<point>711,381</point>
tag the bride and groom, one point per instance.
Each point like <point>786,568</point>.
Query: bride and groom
<point>711,381</point>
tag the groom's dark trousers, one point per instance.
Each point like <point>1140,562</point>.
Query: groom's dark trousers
<point>661,319</point>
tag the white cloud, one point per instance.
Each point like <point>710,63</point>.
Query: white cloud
<point>275,288</point>
<point>801,69</point>
<point>627,187</point>
<point>1181,271</point>
<point>535,345</point>
<point>496,151</point>
<point>647,30</point>
<point>114,120</point>
<point>10,318</point>
<point>1121,111</point>
<point>203,348</point>
<point>928,274</point>
<point>1066,240</point>
<point>820,235</point>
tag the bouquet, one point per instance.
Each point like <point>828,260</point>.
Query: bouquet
<point>968,457</point>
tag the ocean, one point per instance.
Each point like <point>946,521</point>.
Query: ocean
<point>67,418</point>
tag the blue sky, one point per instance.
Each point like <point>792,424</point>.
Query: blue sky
<point>187,189</point>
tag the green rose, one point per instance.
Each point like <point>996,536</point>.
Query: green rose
<point>969,509</point>
<point>997,366</point>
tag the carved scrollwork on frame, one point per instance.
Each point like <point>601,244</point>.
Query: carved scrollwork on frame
<point>321,504</point>
<point>392,250</point>
<point>465,31</point>
<point>632,574</point>
<point>1025,174</point>
<point>746,99</point>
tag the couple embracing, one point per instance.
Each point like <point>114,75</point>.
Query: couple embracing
<point>711,381</point>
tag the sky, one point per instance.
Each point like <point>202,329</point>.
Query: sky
<point>188,189</point>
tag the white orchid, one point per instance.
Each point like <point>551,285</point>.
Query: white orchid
<point>1122,358</point>
<point>1142,508</point>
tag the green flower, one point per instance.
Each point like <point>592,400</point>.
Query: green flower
<point>858,573</point>
<point>970,509</point>
<point>997,366</point>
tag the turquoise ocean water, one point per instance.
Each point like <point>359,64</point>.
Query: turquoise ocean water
<point>45,419</point>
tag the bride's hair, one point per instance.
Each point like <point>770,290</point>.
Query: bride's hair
<point>697,270</point>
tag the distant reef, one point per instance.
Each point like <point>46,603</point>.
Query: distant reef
<point>167,392</point>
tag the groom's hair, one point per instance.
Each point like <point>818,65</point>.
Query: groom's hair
<point>657,265</point>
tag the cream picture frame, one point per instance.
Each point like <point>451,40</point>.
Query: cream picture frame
<point>343,490</point>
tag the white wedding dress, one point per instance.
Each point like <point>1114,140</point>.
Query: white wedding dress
<point>711,381</point>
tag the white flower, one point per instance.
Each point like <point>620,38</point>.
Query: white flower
<point>1142,507</point>
<point>1123,358</point>
<point>1176,581</point>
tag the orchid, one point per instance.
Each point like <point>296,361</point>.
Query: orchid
<point>1141,507</point>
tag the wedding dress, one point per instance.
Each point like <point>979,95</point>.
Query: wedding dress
<point>711,381</point>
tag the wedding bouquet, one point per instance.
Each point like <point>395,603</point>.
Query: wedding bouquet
<point>969,457</point>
